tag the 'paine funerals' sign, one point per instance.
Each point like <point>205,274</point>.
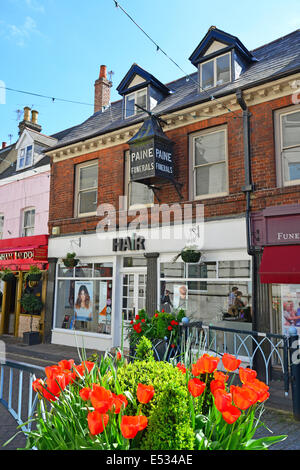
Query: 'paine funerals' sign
<point>151,153</point>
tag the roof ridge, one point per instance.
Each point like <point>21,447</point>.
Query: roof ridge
<point>276,40</point>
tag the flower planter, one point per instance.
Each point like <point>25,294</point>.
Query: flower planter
<point>70,262</point>
<point>31,337</point>
<point>8,277</point>
<point>190,256</point>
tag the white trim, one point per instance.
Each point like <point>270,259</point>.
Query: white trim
<point>214,60</point>
<point>192,172</point>
<point>278,115</point>
<point>77,192</point>
<point>136,110</point>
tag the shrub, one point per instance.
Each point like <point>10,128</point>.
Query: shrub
<point>144,351</point>
<point>169,425</point>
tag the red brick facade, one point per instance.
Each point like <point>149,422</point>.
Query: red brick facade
<point>111,171</point>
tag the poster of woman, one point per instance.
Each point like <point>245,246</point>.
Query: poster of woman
<point>83,307</point>
<point>290,296</point>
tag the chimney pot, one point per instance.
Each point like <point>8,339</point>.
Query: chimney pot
<point>34,116</point>
<point>3,145</point>
<point>103,71</point>
<point>26,113</point>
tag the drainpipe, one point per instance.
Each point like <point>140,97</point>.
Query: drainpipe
<point>248,188</point>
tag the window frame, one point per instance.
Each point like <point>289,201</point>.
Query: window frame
<point>27,209</point>
<point>1,225</point>
<point>279,149</point>
<point>78,167</point>
<point>214,60</point>
<point>136,110</point>
<point>192,176</point>
<point>24,149</point>
<point>128,182</point>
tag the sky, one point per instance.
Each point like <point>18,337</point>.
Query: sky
<point>55,47</point>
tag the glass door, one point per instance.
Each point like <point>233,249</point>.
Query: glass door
<point>134,294</point>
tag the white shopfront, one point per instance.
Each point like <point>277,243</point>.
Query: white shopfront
<point>114,283</point>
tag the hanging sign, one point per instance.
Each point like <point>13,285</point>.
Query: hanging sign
<point>151,153</point>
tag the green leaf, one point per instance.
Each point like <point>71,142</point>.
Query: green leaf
<point>263,443</point>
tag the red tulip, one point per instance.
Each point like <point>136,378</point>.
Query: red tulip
<point>118,401</point>
<point>97,422</point>
<point>231,414</point>
<point>144,393</point>
<point>85,393</point>
<point>222,399</point>
<point>181,367</point>
<point>131,425</point>
<point>119,356</point>
<point>230,362</point>
<point>205,364</point>
<point>66,364</point>
<point>196,387</point>
<point>215,384</point>
<point>242,398</point>
<point>101,398</point>
<point>247,375</point>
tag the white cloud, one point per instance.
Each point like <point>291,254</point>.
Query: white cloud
<point>22,33</point>
<point>35,5</point>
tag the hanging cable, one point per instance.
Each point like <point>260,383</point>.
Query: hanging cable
<point>52,98</point>
<point>158,48</point>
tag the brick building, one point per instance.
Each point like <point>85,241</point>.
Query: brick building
<point>222,129</point>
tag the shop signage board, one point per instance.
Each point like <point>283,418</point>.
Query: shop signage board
<point>35,253</point>
<point>134,243</point>
<point>151,153</point>
<point>276,226</point>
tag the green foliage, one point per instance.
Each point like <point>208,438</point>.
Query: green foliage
<point>161,325</point>
<point>31,303</point>
<point>169,425</point>
<point>144,351</point>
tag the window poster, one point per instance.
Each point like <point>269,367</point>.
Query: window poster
<point>83,300</point>
<point>290,299</point>
<point>180,296</point>
<point>102,302</point>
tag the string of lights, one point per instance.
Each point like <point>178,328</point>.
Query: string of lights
<point>46,96</point>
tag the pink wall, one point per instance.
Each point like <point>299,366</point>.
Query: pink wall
<point>15,196</point>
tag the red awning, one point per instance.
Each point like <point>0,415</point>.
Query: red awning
<point>280,265</point>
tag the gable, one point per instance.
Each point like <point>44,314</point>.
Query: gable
<point>137,80</point>
<point>214,47</point>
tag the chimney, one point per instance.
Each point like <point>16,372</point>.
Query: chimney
<point>29,123</point>
<point>3,145</point>
<point>102,90</point>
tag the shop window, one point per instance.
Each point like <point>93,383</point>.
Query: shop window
<point>84,298</point>
<point>1,225</point>
<point>287,131</point>
<point>202,292</point>
<point>25,157</point>
<point>28,222</point>
<point>234,269</point>
<point>215,72</point>
<point>137,97</point>
<point>86,189</point>
<point>208,163</point>
<point>138,194</point>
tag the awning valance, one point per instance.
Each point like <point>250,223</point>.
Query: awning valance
<point>280,265</point>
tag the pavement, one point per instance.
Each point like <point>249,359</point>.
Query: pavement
<point>278,416</point>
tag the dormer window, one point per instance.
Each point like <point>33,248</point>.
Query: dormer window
<point>215,72</point>
<point>140,88</point>
<point>138,97</point>
<point>25,157</point>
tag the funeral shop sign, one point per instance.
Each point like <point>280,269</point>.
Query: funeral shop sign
<point>151,154</point>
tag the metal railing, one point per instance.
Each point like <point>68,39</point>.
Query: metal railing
<point>16,392</point>
<point>272,350</point>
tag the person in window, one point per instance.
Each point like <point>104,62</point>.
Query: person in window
<point>83,305</point>
<point>231,302</point>
<point>166,302</point>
